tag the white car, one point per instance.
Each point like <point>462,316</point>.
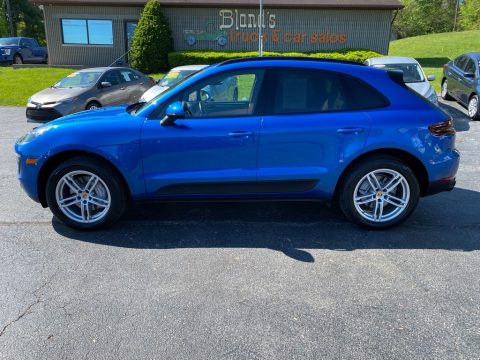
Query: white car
<point>173,77</point>
<point>413,74</point>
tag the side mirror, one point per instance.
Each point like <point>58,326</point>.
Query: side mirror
<point>106,84</point>
<point>431,77</point>
<point>174,111</point>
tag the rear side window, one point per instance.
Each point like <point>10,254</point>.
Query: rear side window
<point>470,67</point>
<point>300,91</point>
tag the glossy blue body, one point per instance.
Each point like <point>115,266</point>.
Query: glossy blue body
<point>262,148</point>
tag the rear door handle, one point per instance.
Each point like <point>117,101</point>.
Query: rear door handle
<point>350,130</point>
<point>241,133</point>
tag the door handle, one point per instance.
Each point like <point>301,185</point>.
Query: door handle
<point>241,133</point>
<point>350,130</point>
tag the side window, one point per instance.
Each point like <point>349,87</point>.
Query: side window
<point>111,77</point>
<point>128,76</point>
<point>315,91</point>
<point>460,62</point>
<point>231,94</point>
<point>470,66</point>
<point>24,43</point>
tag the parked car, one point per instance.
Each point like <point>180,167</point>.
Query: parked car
<point>20,50</point>
<point>303,129</point>
<point>461,81</point>
<point>413,74</point>
<point>172,78</point>
<point>87,90</point>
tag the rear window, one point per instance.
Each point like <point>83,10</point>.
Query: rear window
<point>316,91</point>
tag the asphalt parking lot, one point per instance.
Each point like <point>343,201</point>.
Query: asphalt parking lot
<point>241,281</point>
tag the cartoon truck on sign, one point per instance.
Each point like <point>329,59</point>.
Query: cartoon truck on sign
<point>209,34</point>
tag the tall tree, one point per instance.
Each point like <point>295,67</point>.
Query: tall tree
<point>470,15</point>
<point>27,19</point>
<point>421,17</point>
<point>152,40</point>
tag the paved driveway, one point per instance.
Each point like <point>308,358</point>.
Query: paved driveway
<point>241,281</point>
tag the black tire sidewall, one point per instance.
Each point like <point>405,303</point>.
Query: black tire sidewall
<point>356,174</point>
<point>117,193</point>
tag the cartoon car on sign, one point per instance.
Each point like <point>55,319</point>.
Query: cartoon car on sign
<point>209,34</point>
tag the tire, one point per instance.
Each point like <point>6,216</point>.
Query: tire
<point>473,107</point>
<point>92,105</point>
<point>445,95</point>
<point>91,193</point>
<point>17,59</point>
<point>379,209</point>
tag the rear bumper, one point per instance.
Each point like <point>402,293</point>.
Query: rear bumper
<point>436,187</point>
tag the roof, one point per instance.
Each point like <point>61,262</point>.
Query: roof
<point>349,4</point>
<point>384,60</point>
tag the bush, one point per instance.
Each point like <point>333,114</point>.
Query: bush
<point>179,58</point>
<point>152,40</point>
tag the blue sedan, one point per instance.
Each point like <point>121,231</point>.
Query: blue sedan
<point>295,129</point>
<point>461,82</point>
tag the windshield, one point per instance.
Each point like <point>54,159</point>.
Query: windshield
<point>174,76</point>
<point>81,79</point>
<point>412,73</point>
<point>9,41</point>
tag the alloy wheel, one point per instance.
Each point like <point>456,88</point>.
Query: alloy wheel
<point>83,197</point>
<point>473,106</point>
<point>381,195</point>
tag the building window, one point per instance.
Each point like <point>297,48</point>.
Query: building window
<point>87,32</point>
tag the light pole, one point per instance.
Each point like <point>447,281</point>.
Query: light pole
<point>260,30</point>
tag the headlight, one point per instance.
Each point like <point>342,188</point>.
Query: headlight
<point>6,51</point>
<point>32,135</point>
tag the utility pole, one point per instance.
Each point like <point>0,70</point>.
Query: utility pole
<point>11,29</point>
<point>456,14</point>
<point>260,30</point>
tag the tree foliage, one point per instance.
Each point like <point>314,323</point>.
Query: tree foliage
<point>420,17</point>
<point>152,40</point>
<point>27,19</point>
<point>470,15</point>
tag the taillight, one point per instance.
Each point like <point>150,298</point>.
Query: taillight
<point>443,128</point>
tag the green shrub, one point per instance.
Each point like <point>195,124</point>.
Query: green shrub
<point>179,58</point>
<point>152,40</point>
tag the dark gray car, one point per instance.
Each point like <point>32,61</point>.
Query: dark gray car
<point>88,89</point>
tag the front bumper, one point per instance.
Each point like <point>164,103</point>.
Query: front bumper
<point>42,115</point>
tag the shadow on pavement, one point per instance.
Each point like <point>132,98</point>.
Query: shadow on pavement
<point>460,118</point>
<point>448,221</point>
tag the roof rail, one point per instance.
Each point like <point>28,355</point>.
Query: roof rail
<point>302,58</point>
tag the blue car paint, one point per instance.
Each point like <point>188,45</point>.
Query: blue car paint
<point>29,53</point>
<point>151,156</point>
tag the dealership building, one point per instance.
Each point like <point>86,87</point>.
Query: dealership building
<point>98,32</point>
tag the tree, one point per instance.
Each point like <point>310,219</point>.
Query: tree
<point>152,40</point>
<point>27,19</point>
<point>470,15</point>
<point>420,17</point>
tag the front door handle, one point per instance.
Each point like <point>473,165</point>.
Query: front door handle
<point>350,130</point>
<point>241,133</point>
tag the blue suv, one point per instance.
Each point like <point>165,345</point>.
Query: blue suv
<point>295,129</point>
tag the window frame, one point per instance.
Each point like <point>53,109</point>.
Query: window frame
<point>269,110</point>
<point>87,28</point>
<point>458,61</point>
<point>257,91</point>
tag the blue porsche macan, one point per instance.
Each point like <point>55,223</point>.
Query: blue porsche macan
<point>290,128</point>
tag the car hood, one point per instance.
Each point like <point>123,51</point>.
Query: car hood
<point>108,113</point>
<point>153,92</point>
<point>57,94</point>
<point>8,46</point>
<point>423,88</point>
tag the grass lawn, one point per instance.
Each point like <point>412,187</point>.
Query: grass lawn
<point>432,51</point>
<point>16,86</point>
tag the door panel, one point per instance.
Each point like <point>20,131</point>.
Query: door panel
<point>199,151</point>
